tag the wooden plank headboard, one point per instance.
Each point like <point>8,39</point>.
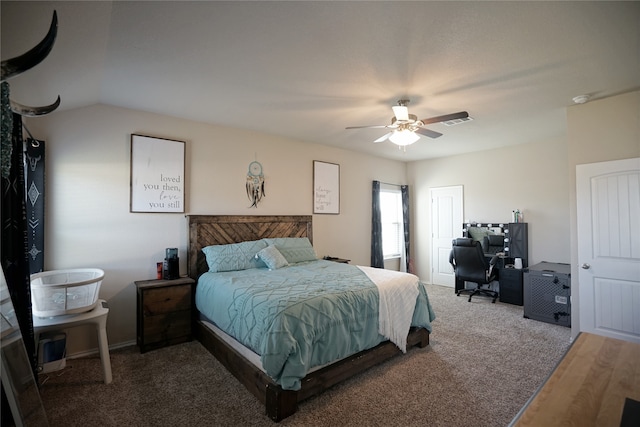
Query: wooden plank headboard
<point>206,230</point>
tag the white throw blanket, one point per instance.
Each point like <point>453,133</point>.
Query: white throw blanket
<point>398,293</point>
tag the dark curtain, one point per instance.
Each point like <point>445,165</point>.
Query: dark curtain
<point>404,189</point>
<point>377,257</point>
<point>14,255</point>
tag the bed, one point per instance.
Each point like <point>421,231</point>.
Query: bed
<point>282,394</point>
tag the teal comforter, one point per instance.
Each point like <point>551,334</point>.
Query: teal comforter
<point>301,316</point>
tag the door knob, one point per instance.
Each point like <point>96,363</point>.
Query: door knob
<point>586,266</point>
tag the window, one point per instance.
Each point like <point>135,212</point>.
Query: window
<point>392,223</point>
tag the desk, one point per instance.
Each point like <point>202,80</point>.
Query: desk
<point>509,279</point>
<point>588,387</point>
<point>97,316</point>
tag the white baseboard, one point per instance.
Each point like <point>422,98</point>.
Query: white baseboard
<point>93,351</point>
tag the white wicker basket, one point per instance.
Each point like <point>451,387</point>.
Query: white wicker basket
<point>59,292</point>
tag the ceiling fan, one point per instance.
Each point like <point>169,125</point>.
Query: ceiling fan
<point>405,126</point>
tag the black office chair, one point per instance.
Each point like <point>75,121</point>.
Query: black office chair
<point>470,265</point>
<point>493,243</point>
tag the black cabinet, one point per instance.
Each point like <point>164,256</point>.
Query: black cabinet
<point>516,241</point>
<point>547,293</point>
<point>510,280</point>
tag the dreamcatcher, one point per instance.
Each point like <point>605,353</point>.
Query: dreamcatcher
<point>255,183</point>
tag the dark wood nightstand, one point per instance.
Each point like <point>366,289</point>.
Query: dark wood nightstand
<point>164,312</point>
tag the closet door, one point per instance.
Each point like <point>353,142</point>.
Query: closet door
<point>446,220</point>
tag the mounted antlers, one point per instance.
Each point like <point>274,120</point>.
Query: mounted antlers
<point>15,66</point>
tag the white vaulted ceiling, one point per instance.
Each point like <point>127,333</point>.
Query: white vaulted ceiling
<point>306,70</point>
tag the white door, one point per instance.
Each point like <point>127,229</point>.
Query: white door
<point>446,225</point>
<point>608,202</point>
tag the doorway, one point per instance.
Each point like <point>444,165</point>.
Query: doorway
<point>446,225</point>
<point>608,215</point>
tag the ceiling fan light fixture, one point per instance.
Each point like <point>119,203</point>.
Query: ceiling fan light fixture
<point>404,137</point>
<point>405,128</point>
<point>401,112</point>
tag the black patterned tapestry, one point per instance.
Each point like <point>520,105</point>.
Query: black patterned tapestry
<point>34,173</point>
<point>14,257</point>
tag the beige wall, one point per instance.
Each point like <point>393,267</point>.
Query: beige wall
<point>602,130</point>
<point>88,223</point>
<point>531,177</point>
<point>538,178</point>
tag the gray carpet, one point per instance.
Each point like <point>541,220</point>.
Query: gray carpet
<point>484,362</point>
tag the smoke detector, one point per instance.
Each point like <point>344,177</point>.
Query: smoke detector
<point>581,99</point>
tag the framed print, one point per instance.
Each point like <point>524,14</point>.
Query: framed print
<point>157,174</point>
<point>326,188</point>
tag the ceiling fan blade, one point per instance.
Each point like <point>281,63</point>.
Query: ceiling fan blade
<point>369,127</point>
<point>446,117</point>
<point>401,112</point>
<point>383,137</point>
<point>428,132</point>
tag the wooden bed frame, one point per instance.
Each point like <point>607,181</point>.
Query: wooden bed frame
<point>205,230</point>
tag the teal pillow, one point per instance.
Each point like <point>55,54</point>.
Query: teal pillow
<point>477,233</point>
<point>234,256</point>
<point>294,249</point>
<point>272,257</point>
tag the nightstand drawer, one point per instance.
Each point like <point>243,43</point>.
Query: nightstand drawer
<point>167,327</point>
<point>166,300</point>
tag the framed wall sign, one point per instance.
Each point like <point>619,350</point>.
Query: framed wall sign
<point>326,188</point>
<point>157,174</point>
